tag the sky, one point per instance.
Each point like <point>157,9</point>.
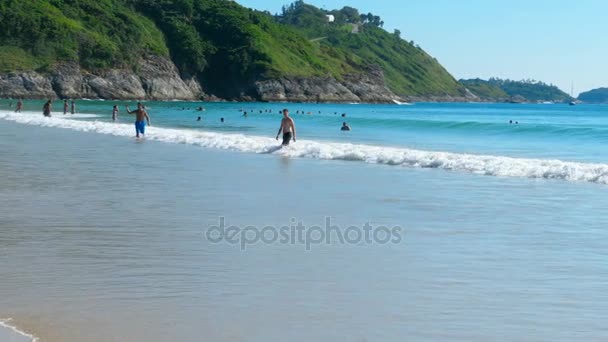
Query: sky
<point>561,42</point>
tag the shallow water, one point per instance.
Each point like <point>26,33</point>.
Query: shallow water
<point>103,237</point>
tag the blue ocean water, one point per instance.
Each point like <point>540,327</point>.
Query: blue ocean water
<point>533,141</point>
<point>543,131</point>
<point>574,133</point>
<point>503,225</point>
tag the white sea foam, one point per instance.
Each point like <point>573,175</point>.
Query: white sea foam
<point>82,116</point>
<point>11,333</point>
<point>479,164</point>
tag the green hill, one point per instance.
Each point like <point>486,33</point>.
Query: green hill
<point>496,89</point>
<point>225,46</point>
<point>408,69</point>
<point>36,34</point>
<point>599,95</point>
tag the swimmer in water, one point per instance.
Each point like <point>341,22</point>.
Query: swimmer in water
<point>115,113</point>
<point>46,109</point>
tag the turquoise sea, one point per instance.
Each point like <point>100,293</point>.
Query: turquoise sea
<point>501,226</point>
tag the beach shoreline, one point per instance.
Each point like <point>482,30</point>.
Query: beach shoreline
<point>104,238</point>
<point>475,163</point>
<point>9,332</point>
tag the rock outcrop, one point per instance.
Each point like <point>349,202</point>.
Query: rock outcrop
<point>157,78</point>
<point>368,86</point>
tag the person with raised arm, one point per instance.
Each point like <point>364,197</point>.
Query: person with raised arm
<point>140,115</point>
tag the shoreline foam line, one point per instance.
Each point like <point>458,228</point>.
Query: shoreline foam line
<point>4,325</point>
<point>488,165</point>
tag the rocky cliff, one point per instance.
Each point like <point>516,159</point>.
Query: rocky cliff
<point>156,78</point>
<point>367,87</point>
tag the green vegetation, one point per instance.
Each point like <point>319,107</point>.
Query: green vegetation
<point>599,95</point>
<point>359,37</point>
<point>496,89</point>
<point>97,33</point>
<point>223,44</point>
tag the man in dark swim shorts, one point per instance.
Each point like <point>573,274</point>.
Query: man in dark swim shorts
<point>288,127</point>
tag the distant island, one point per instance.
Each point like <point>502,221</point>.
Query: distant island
<point>595,96</point>
<point>525,91</point>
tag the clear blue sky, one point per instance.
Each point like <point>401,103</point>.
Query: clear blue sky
<point>555,41</point>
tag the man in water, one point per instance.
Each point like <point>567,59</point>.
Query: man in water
<point>65,107</point>
<point>345,127</point>
<point>73,107</point>
<point>46,109</point>
<point>140,114</point>
<point>115,113</point>
<point>198,119</point>
<point>288,127</point>
<point>19,106</point>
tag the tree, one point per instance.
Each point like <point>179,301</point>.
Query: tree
<point>351,14</point>
<point>397,33</point>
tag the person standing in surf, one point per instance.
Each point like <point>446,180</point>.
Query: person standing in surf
<point>288,127</point>
<point>115,113</point>
<point>46,109</point>
<point>73,107</point>
<point>19,106</point>
<point>140,115</point>
<point>65,106</point>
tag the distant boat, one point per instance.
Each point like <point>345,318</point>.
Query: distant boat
<point>401,103</point>
<point>573,102</point>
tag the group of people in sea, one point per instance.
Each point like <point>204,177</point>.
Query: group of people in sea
<point>142,118</point>
<point>48,107</point>
<point>345,126</point>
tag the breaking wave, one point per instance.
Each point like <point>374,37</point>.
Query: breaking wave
<point>479,164</point>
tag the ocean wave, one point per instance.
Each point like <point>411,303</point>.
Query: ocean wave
<point>4,324</point>
<point>83,116</point>
<point>489,165</point>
